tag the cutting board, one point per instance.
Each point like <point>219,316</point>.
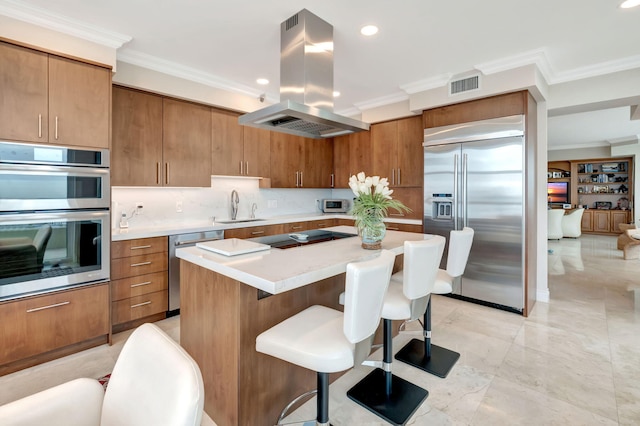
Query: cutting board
<point>232,246</point>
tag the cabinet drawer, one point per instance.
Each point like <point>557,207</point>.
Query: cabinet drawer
<point>253,231</point>
<point>138,247</point>
<point>139,285</point>
<point>406,227</point>
<point>33,326</point>
<point>296,227</point>
<point>138,265</point>
<point>139,307</point>
<point>319,224</point>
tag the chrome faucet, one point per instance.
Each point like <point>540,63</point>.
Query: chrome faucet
<point>234,204</point>
<point>254,206</point>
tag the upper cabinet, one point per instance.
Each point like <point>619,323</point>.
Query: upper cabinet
<point>46,98</point>
<point>136,154</point>
<point>238,150</point>
<point>159,141</point>
<point>351,154</point>
<point>298,162</point>
<point>397,151</point>
<point>186,143</point>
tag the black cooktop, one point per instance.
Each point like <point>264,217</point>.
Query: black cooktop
<point>285,241</point>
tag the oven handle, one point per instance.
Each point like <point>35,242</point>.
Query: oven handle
<point>62,216</point>
<point>39,169</point>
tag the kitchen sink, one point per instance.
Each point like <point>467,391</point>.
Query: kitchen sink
<point>239,221</point>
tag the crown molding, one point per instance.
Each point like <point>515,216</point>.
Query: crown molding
<point>538,57</point>
<point>188,73</point>
<point>43,18</point>
<point>382,101</point>
<point>427,84</point>
<point>349,112</point>
<point>598,144</point>
<point>595,70</point>
<point>626,140</point>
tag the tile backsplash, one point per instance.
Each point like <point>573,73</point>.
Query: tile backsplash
<point>200,205</point>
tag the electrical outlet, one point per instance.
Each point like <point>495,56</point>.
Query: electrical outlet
<point>178,206</point>
<point>272,204</point>
<point>139,207</point>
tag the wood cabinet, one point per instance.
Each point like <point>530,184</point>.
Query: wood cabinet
<point>159,141</point>
<point>604,221</point>
<point>406,227</point>
<point>46,98</point>
<point>604,180</point>
<point>136,154</point>
<point>412,198</point>
<point>238,150</point>
<point>352,154</point>
<point>38,325</point>
<point>254,231</point>
<point>397,151</point>
<point>186,143</point>
<point>298,162</point>
<point>139,286</point>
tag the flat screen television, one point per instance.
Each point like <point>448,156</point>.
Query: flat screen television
<point>558,192</point>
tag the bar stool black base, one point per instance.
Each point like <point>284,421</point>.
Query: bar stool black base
<point>396,408</point>
<point>439,363</point>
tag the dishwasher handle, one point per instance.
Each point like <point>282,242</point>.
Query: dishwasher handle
<point>192,242</point>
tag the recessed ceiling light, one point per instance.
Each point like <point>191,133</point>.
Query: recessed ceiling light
<point>336,94</point>
<point>368,30</point>
<point>629,3</point>
<point>262,81</point>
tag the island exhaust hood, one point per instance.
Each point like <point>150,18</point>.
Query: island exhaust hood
<point>306,84</point>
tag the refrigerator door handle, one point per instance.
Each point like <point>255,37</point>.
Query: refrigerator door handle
<point>455,192</point>
<point>465,220</point>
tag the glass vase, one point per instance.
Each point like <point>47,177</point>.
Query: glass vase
<point>372,235</point>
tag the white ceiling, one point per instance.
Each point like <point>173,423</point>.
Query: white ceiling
<point>236,41</point>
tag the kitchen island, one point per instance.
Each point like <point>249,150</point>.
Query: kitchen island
<point>227,301</point>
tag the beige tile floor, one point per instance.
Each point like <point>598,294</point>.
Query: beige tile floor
<point>573,361</point>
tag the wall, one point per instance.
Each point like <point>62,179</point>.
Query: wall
<point>200,205</point>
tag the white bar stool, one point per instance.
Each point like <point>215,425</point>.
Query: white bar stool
<point>391,397</point>
<point>423,354</point>
<point>326,340</point>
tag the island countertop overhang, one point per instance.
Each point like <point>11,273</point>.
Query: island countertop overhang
<point>277,271</point>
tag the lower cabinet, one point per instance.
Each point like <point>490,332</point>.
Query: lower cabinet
<point>254,231</point>
<point>139,286</point>
<point>40,325</point>
<point>604,221</point>
<point>406,227</point>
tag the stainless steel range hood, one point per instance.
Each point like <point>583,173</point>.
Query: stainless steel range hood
<point>306,84</point>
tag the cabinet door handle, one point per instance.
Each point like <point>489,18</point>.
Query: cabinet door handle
<point>257,232</point>
<point>141,247</point>
<point>392,229</point>
<point>297,179</point>
<point>241,173</point>
<point>396,214</point>
<point>140,284</point>
<point>296,227</point>
<point>158,173</point>
<point>140,264</point>
<point>166,173</point>
<point>39,125</point>
<point>322,225</point>
<point>246,168</point>
<point>393,176</point>
<point>56,133</point>
<point>148,302</point>
<point>399,176</point>
<point>301,181</point>
<point>55,305</point>
<point>332,180</point>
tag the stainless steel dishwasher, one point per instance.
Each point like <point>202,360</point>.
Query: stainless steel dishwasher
<point>178,241</point>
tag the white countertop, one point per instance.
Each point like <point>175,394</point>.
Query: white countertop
<point>196,226</point>
<point>277,270</point>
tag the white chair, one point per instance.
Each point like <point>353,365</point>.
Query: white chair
<point>154,382</point>
<point>572,224</point>
<point>391,397</point>
<point>554,224</point>
<point>326,340</point>
<point>423,354</point>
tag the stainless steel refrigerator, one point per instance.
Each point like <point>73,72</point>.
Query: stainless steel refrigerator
<point>474,176</point>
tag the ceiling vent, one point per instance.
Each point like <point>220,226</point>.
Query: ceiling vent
<point>464,85</point>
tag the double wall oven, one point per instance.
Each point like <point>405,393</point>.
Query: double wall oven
<point>54,218</point>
